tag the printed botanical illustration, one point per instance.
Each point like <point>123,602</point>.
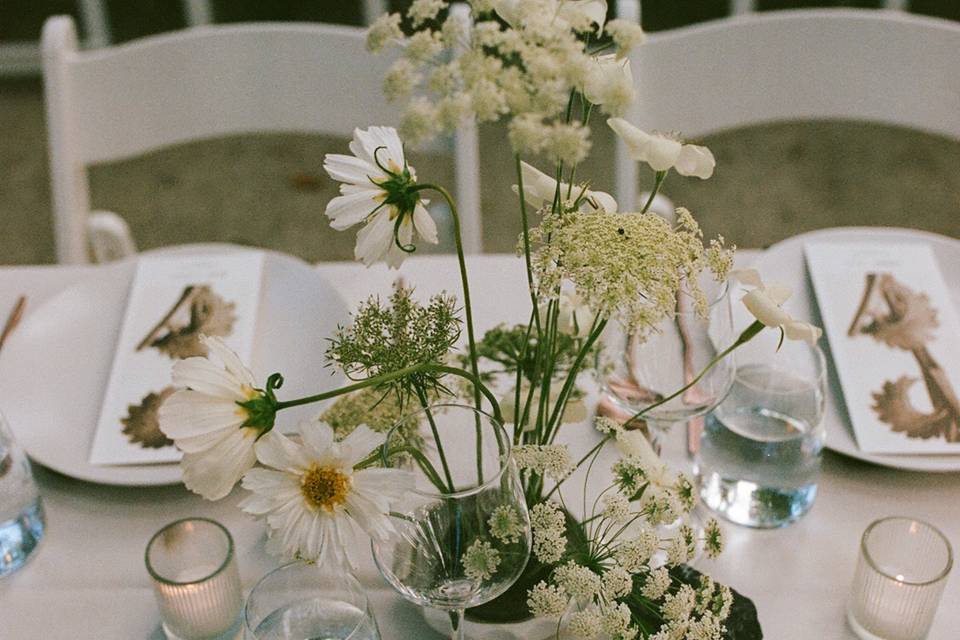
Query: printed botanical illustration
<point>900,318</point>
<point>199,311</point>
<point>141,425</point>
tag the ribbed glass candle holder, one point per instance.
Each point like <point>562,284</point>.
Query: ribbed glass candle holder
<point>195,580</point>
<point>900,576</point>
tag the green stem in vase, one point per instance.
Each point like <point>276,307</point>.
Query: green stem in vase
<point>468,311</point>
<point>363,384</point>
<point>526,244</point>
<point>422,396</point>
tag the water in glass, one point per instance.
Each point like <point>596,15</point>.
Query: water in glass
<point>21,513</point>
<point>317,619</point>
<point>760,451</point>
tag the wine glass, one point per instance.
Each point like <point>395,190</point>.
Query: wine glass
<point>444,552</point>
<point>639,374</point>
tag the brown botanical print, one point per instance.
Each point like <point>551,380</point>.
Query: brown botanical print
<point>199,311</point>
<point>895,315</point>
<point>141,426</point>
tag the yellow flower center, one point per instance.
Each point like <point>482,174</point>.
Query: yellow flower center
<point>325,487</point>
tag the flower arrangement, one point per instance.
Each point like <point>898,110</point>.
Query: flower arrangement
<point>544,68</point>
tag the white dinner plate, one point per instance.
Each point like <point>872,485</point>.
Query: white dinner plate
<point>55,367</point>
<point>784,263</point>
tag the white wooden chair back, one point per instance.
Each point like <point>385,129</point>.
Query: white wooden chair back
<point>211,81</point>
<point>878,66</point>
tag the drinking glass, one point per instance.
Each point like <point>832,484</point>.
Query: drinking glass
<point>195,580</point>
<point>21,512</point>
<point>900,576</point>
<point>638,372</point>
<point>760,452</point>
<point>301,600</point>
<point>442,554</point>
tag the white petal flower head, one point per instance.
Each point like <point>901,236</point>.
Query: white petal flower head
<point>633,444</point>
<point>312,496</point>
<point>663,152</point>
<point>377,190</point>
<point>208,422</point>
<point>576,14</point>
<point>539,190</point>
<point>609,83</point>
<point>764,303</point>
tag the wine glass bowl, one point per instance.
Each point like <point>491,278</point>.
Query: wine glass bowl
<point>445,551</point>
<point>641,373</point>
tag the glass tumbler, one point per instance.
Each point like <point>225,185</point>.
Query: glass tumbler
<point>195,580</point>
<point>760,452</point>
<point>900,576</point>
<point>302,600</point>
<point>21,512</point>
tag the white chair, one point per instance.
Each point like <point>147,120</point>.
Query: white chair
<point>210,81</point>
<point>878,66</point>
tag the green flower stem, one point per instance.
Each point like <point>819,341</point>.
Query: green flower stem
<point>658,181</point>
<point>363,384</point>
<point>468,310</point>
<point>377,457</point>
<point>748,334</point>
<point>477,383</point>
<point>526,245</point>
<point>422,396</point>
<point>597,328</point>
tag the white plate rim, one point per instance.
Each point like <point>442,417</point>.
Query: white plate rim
<point>921,463</point>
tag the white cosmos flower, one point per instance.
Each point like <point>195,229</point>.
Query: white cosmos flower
<point>662,152</point>
<point>539,190</point>
<point>376,190</point>
<point>764,303</point>
<point>312,496</point>
<point>205,421</point>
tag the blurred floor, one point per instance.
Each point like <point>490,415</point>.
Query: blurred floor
<point>772,182</point>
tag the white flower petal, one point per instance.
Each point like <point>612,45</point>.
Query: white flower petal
<point>187,414</point>
<point>604,201</point>
<point>796,330</point>
<point>276,450</point>
<point>343,168</point>
<point>318,437</point>
<point>695,161</point>
<point>389,483</point>
<point>779,293</point>
<point>425,225</point>
<point>764,309</point>
<point>594,10</point>
<point>230,360</point>
<point>347,210</point>
<point>375,238</point>
<point>213,472</point>
<point>203,376</point>
<point>658,151</point>
<point>359,444</point>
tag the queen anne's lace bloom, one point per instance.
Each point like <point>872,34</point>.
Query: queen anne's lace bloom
<point>547,600</point>
<point>616,582</point>
<point>505,524</point>
<point>549,532</point>
<point>480,561</point>
<point>552,460</point>
<point>656,584</point>
<point>579,581</point>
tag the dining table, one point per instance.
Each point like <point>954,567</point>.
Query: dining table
<point>87,578</point>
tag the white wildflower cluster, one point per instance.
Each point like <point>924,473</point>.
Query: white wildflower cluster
<point>578,581</point>
<point>505,524</point>
<point>626,266</point>
<point>525,62</point>
<point>551,460</point>
<point>549,532</point>
<point>616,508</point>
<point>480,561</point>
<point>690,613</point>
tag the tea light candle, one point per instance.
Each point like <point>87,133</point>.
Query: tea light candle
<point>195,580</point>
<point>901,573</point>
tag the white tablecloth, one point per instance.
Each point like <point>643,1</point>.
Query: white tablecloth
<point>87,580</point>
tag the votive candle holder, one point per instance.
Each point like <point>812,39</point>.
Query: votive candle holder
<point>195,580</point>
<point>901,574</point>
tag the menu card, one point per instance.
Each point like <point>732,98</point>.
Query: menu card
<point>895,337</point>
<point>173,301</point>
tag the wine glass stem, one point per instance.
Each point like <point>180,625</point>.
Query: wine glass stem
<point>456,622</point>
